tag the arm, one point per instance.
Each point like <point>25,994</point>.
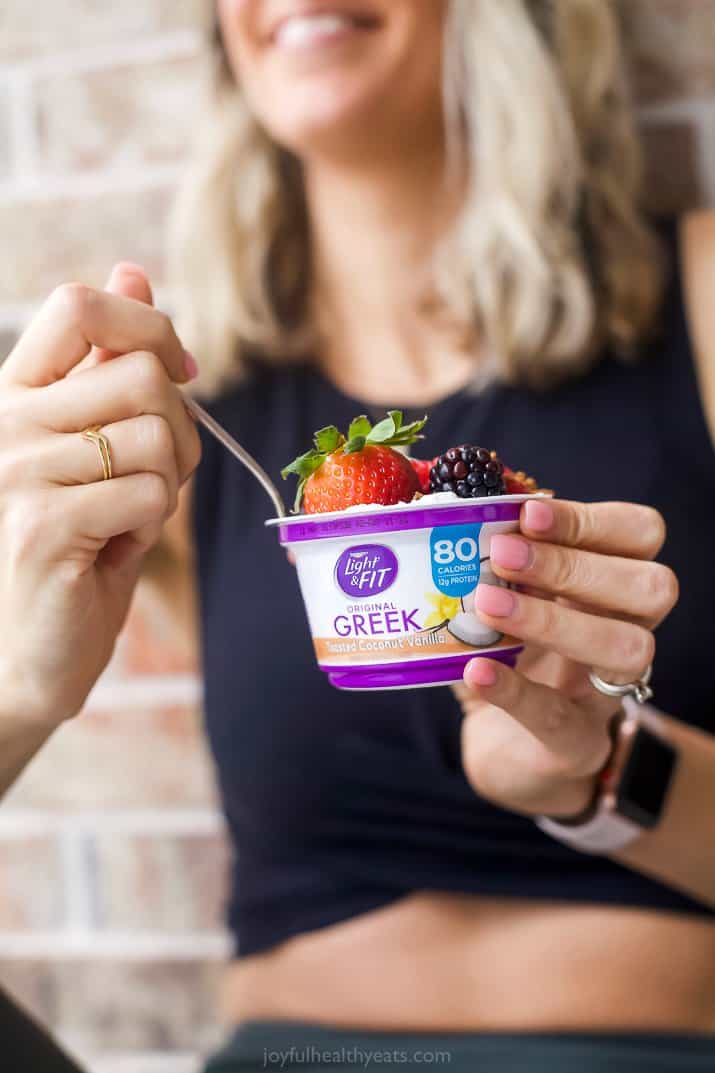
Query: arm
<point>18,744</point>
<point>534,741</point>
<point>72,543</point>
<point>681,850</point>
<point>168,567</point>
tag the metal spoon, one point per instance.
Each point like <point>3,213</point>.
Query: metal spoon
<point>225,438</point>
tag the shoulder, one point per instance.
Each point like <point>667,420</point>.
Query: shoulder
<point>697,235</point>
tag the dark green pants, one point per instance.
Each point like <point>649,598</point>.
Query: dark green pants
<point>273,1047</point>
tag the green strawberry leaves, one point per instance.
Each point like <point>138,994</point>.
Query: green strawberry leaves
<point>390,432</point>
<point>355,445</point>
<point>304,467</point>
<point>328,440</point>
<point>360,426</point>
<point>388,428</point>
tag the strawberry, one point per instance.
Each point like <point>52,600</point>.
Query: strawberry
<point>340,472</point>
<point>422,467</point>
<point>376,475</point>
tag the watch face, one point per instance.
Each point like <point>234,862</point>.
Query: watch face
<point>646,778</point>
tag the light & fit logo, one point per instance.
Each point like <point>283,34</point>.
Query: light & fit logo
<point>368,570</point>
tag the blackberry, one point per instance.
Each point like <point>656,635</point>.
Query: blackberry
<point>470,472</point>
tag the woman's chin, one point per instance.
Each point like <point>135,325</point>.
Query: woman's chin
<point>331,131</point>
<point>333,110</point>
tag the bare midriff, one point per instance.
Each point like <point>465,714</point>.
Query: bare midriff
<point>439,962</point>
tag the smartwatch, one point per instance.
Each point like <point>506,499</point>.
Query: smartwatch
<point>633,788</point>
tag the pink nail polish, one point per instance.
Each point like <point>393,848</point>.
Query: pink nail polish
<point>480,673</point>
<point>191,367</point>
<point>495,601</point>
<point>539,516</point>
<point>511,552</point>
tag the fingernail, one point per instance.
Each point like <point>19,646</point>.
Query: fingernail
<point>511,552</point>
<point>480,673</point>
<point>495,601</point>
<point>539,516</point>
<point>191,367</point>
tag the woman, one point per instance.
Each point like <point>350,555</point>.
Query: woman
<point>432,205</point>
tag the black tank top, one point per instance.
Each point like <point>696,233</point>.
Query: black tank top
<point>339,803</point>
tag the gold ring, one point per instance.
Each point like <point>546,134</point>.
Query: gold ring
<point>96,436</point>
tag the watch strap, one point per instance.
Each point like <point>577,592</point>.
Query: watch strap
<point>607,832</point>
<point>604,830</point>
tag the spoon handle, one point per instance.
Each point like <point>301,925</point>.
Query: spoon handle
<point>225,438</point>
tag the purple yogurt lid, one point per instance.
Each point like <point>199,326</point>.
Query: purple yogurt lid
<point>399,518</point>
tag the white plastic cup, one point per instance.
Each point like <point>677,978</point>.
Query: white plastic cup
<point>389,591</point>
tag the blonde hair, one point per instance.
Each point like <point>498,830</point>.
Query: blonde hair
<point>551,259</point>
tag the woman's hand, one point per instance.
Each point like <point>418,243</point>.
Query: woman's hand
<point>590,596</point>
<point>71,543</point>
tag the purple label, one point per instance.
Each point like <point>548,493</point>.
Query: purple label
<point>367,570</point>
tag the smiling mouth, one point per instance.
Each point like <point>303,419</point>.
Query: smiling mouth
<point>308,30</point>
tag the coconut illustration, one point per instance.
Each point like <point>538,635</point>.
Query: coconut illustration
<point>465,626</point>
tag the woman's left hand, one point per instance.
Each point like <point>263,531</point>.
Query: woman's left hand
<point>534,740</point>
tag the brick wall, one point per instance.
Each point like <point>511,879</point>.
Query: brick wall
<point>112,856</point>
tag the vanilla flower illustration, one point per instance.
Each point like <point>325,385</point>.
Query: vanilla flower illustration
<point>445,608</point>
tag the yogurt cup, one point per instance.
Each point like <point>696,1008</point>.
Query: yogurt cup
<point>389,591</point>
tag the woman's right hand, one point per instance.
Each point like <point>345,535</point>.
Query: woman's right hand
<point>71,543</point>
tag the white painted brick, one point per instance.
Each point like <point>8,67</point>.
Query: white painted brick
<point>21,823</point>
<point>149,50</point>
<point>151,691</point>
<point>125,117</point>
<point>92,945</point>
<point>61,231</point>
<point>50,27</point>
